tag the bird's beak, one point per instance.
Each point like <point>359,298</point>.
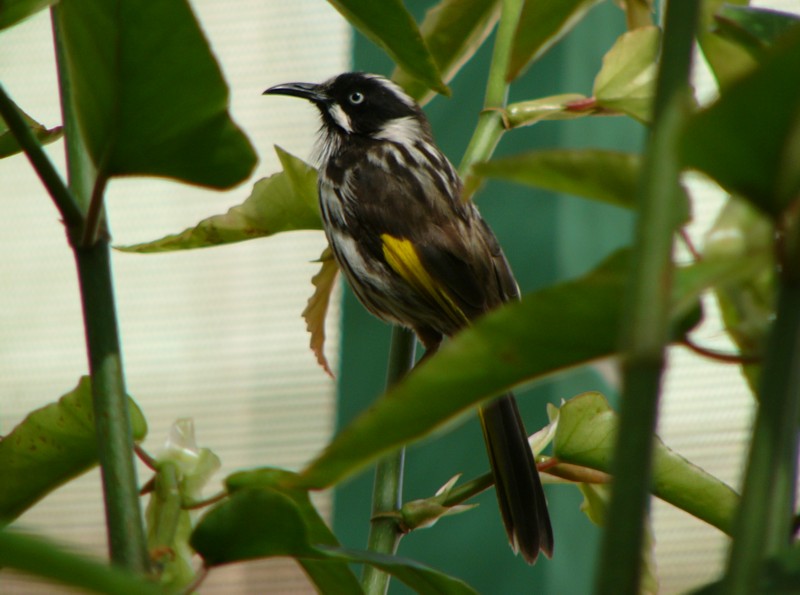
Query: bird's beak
<point>310,91</point>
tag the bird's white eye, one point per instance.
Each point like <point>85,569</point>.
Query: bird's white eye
<point>356,97</point>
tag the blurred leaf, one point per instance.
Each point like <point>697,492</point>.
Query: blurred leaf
<point>38,557</point>
<point>721,269</point>
<point>627,80</point>
<point>780,576</point>
<point>638,13</point>
<point>744,238</point>
<point>518,342</point>
<point>453,30</point>
<point>754,153</point>
<point>9,145</point>
<point>13,11</point>
<point>728,61</point>
<point>586,434</point>
<point>555,107</point>
<point>595,502</point>
<point>607,176</point>
<point>389,25</point>
<point>149,96</point>
<point>541,25</point>
<point>754,29</point>
<point>264,522</point>
<point>285,201</point>
<point>316,310</point>
<point>51,446</point>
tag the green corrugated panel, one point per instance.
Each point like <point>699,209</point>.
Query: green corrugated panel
<point>547,238</point>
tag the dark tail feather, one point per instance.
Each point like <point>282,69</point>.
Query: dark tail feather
<point>519,489</point>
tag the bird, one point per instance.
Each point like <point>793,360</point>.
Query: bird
<point>416,254</point>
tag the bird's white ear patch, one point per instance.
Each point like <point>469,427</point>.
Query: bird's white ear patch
<point>340,117</point>
<point>403,131</point>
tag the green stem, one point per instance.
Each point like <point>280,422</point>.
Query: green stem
<point>62,197</point>
<point>764,521</point>
<point>387,496</point>
<point>126,534</point>
<point>496,83</point>
<point>646,329</point>
<point>490,125</point>
<point>469,489</point>
<point>168,512</point>
<point>112,420</point>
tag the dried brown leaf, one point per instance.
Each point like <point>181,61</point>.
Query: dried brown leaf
<point>316,310</point>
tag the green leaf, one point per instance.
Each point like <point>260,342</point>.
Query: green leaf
<point>285,201</point>
<point>626,81</point>
<point>252,523</point>
<point>753,29</point>
<point>586,434</point>
<point>420,578</point>
<point>9,145</point>
<point>389,25</point>
<point>519,342</point>
<point>607,176</point>
<point>258,522</point>
<point>453,30</point>
<point>328,575</point>
<point>595,502</point>
<point>728,60</point>
<point>541,25</point>
<point>51,446</point>
<point>13,11</point>
<point>744,238</point>
<point>35,556</point>
<point>738,256</point>
<point>149,96</point>
<point>754,153</point>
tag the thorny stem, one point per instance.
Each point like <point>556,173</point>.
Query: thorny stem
<point>384,536</point>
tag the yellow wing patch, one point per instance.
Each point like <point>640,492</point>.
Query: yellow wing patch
<point>402,257</point>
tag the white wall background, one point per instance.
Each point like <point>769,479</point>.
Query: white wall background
<point>212,334</point>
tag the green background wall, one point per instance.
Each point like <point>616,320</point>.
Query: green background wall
<point>547,238</point>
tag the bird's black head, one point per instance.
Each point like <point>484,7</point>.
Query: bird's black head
<point>361,104</point>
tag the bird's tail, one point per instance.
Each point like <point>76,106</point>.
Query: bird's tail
<point>519,489</point>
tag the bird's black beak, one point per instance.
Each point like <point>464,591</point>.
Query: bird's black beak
<point>310,91</point>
